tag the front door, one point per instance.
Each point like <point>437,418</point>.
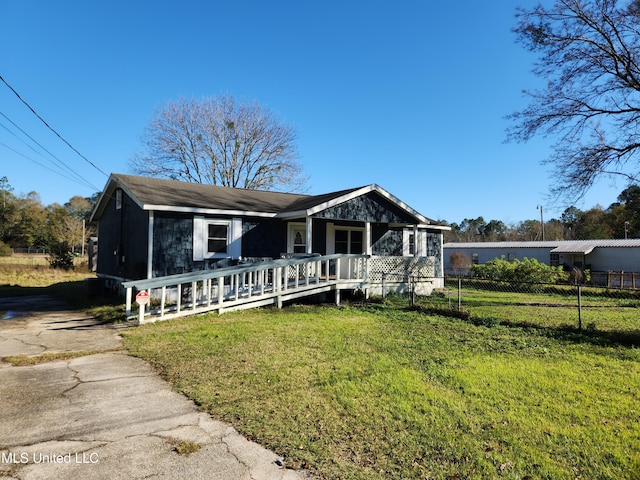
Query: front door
<point>297,238</point>
<point>348,241</point>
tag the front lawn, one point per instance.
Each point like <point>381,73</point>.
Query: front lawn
<point>378,392</point>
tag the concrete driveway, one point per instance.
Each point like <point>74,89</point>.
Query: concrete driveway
<point>105,415</point>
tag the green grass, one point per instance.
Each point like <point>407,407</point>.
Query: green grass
<point>378,392</point>
<point>606,314</point>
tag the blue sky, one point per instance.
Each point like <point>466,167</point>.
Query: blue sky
<point>408,94</point>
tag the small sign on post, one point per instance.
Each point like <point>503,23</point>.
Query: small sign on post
<point>142,299</point>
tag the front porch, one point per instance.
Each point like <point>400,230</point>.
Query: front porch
<point>277,281</point>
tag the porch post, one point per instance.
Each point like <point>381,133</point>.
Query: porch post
<point>309,234</point>
<point>367,238</point>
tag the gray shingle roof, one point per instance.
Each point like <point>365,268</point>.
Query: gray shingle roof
<point>172,195</point>
<point>159,192</point>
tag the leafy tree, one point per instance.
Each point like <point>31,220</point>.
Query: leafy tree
<point>629,198</point>
<point>472,229</point>
<point>494,231</point>
<point>64,228</point>
<point>589,59</point>
<point>554,230</point>
<point>8,210</point>
<point>220,141</point>
<point>570,218</point>
<point>30,227</point>
<point>527,231</point>
<point>592,225</point>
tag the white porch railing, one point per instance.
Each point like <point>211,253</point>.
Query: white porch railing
<point>275,281</point>
<point>234,288</point>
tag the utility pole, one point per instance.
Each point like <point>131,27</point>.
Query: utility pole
<point>539,207</point>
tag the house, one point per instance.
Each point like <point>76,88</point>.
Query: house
<point>150,227</point>
<point>593,255</point>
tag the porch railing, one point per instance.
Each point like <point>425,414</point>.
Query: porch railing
<point>249,286</point>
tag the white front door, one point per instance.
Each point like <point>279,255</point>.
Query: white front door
<point>297,238</point>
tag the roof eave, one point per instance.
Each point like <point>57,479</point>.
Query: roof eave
<point>207,211</point>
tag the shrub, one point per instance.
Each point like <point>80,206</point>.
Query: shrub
<point>519,271</point>
<point>5,250</point>
<point>61,257</point>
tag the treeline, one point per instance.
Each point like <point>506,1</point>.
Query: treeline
<point>26,223</point>
<point>620,220</point>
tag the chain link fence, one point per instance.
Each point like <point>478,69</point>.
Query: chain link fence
<point>611,314</point>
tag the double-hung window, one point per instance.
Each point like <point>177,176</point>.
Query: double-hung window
<point>216,238</point>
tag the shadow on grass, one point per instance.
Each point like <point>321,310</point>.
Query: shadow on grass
<point>566,333</point>
<point>569,333</point>
<point>105,308</point>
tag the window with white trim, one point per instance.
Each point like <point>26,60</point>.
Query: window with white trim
<point>409,243</point>
<point>216,238</point>
<point>217,234</point>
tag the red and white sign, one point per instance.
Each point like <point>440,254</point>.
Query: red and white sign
<point>142,298</point>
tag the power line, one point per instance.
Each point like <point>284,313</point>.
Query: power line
<point>79,178</point>
<point>84,182</point>
<point>50,128</point>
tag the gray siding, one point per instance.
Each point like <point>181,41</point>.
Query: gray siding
<point>367,208</point>
<point>123,240</point>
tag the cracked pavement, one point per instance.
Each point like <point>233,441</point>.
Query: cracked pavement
<point>105,415</point>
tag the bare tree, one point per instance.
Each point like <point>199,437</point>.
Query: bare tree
<point>220,141</point>
<point>589,56</point>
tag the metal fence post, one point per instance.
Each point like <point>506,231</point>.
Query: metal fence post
<point>459,294</point>
<point>579,307</point>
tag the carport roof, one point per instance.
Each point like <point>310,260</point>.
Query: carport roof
<point>560,246</point>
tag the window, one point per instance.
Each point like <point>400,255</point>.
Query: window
<point>299,240</point>
<point>348,241</point>
<point>118,199</point>
<point>217,237</point>
<point>342,241</point>
<point>554,259</point>
<point>474,258</point>
<point>413,244</point>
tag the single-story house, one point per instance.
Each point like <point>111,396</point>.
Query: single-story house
<point>151,227</point>
<point>593,255</point>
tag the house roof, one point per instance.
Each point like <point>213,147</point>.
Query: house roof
<point>172,195</point>
<point>560,246</point>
